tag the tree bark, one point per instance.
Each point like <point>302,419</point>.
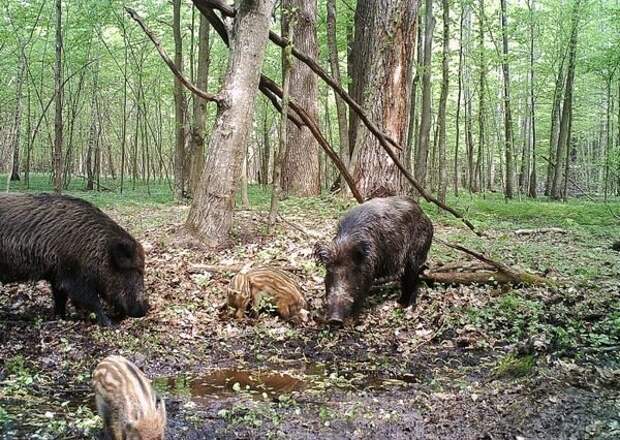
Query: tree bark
<point>441,118</point>
<point>200,105</point>
<point>563,136</point>
<point>59,86</point>
<point>180,159</point>
<point>300,169</point>
<point>533,183</point>
<point>385,34</point>
<point>14,171</point>
<point>477,174</point>
<point>508,135</point>
<point>334,62</point>
<point>555,124</point>
<point>421,152</point>
<point>458,104</point>
<point>210,216</point>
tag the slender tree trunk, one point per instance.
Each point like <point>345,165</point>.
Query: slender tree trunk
<point>210,216</point>
<point>558,93</point>
<point>441,120</point>
<point>608,136</point>
<point>421,153</point>
<point>14,172</point>
<point>341,108</point>
<point>508,136</point>
<point>300,169</point>
<point>59,88</point>
<point>564,135</point>
<point>180,158</point>
<point>266,151</point>
<point>533,179</point>
<point>458,104</point>
<point>200,105</point>
<point>477,179</point>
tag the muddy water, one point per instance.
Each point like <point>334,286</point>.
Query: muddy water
<point>225,383</point>
<point>266,384</point>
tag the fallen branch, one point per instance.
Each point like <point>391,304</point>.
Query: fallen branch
<point>515,276</point>
<point>173,67</point>
<point>540,231</point>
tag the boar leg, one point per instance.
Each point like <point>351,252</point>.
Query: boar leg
<point>408,286</point>
<point>85,295</point>
<point>60,301</point>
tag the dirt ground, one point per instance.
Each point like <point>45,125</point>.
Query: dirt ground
<point>469,362</point>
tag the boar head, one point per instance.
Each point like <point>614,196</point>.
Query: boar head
<point>124,283</point>
<point>348,277</point>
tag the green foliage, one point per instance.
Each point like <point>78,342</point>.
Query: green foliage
<point>515,366</point>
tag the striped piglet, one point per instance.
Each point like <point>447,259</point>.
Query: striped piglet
<point>127,402</point>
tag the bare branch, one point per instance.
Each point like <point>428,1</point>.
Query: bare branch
<point>191,87</point>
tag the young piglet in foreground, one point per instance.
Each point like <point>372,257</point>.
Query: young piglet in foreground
<point>127,402</point>
<point>265,285</point>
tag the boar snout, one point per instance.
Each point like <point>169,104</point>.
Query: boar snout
<point>138,310</point>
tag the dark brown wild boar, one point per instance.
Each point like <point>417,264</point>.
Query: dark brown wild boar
<point>384,237</point>
<point>81,251</point>
<point>126,402</point>
<point>250,290</point>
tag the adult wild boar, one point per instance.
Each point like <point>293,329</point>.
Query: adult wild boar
<point>384,237</point>
<point>81,251</point>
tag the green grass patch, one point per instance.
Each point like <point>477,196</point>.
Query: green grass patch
<point>515,366</point>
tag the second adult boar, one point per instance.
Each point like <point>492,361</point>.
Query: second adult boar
<point>82,252</point>
<point>384,237</point>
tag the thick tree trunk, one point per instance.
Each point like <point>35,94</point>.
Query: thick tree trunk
<point>200,105</point>
<point>180,159</point>
<point>421,152</point>
<point>508,136</point>
<point>59,88</point>
<point>441,119</point>
<point>300,170</point>
<point>210,216</point>
<point>341,108</point>
<point>563,136</point>
<point>385,34</point>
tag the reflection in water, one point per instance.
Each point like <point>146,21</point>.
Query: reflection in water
<point>223,383</point>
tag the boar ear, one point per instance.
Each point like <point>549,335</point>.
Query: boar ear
<point>321,253</point>
<point>360,251</point>
<point>123,254</point>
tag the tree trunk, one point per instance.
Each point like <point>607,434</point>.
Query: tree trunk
<point>558,93</point>
<point>14,172</point>
<point>533,180</point>
<point>477,177</point>
<point>563,136</point>
<point>441,119</point>
<point>421,152</point>
<point>210,216</point>
<point>280,151</point>
<point>300,170</point>
<point>264,173</point>
<point>458,104</point>
<point>180,166</point>
<point>200,105</point>
<point>508,136</point>
<point>59,88</point>
<point>341,108</point>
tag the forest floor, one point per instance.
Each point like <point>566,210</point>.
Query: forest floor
<point>469,362</point>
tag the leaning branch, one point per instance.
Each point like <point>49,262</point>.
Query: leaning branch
<point>269,88</point>
<point>386,142</point>
<point>205,95</point>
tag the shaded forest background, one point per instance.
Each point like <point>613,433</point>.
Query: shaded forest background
<point>525,102</point>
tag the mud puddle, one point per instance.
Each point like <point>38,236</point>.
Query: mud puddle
<point>268,384</point>
<point>221,384</point>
